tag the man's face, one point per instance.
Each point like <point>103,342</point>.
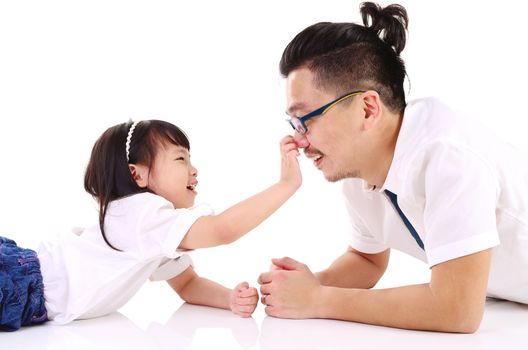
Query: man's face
<point>333,139</point>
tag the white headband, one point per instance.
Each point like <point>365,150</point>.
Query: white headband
<point>129,137</point>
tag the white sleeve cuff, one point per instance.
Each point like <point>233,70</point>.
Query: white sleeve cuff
<point>461,248</point>
<point>367,248</point>
<point>171,268</point>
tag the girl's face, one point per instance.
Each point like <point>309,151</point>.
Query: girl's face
<point>172,176</point>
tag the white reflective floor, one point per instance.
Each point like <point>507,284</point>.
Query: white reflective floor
<point>505,326</point>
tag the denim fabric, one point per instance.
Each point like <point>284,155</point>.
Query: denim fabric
<point>21,287</point>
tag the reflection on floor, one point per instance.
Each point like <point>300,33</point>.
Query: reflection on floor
<point>505,325</point>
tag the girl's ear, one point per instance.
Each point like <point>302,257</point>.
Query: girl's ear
<point>139,174</point>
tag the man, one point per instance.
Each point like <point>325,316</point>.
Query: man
<point>418,177</point>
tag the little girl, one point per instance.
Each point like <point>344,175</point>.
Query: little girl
<point>142,178</point>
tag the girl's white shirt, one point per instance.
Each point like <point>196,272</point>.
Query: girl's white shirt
<point>85,278</point>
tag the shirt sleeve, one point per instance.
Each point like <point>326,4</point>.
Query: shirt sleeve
<point>170,268</point>
<point>461,191</point>
<point>161,228</point>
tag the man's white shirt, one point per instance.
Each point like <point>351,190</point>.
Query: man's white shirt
<point>462,189</point>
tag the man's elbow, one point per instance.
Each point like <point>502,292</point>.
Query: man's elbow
<point>464,318</point>
<point>465,326</point>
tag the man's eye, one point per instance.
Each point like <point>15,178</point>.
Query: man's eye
<point>180,158</point>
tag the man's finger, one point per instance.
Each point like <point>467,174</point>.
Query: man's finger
<point>265,289</point>
<point>287,263</point>
<point>264,277</point>
<point>271,311</point>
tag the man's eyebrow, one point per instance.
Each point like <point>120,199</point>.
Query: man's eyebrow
<point>294,107</point>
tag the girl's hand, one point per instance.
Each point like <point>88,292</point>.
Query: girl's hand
<point>243,299</point>
<point>290,170</point>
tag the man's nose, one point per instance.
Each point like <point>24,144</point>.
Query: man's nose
<point>301,140</point>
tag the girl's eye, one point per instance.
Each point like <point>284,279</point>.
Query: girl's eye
<point>180,158</point>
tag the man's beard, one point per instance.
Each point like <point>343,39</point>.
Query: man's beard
<point>342,175</point>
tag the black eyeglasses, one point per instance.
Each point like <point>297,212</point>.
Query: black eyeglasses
<point>299,125</point>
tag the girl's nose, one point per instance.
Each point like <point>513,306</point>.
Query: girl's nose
<point>301,140</point>
<point>194,171</point>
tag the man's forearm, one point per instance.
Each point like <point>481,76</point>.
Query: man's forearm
<point>452,302</point>
<point>409,307</point>
<point>352,270</point>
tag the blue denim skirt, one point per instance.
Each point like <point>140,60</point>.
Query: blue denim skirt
<point>21,287</point>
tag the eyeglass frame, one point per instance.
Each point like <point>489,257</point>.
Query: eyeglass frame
<point>319,111</point>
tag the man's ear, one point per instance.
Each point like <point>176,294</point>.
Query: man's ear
<point>139,174</point>
<point>372,109</point>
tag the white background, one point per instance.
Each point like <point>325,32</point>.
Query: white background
<point>70,69</point>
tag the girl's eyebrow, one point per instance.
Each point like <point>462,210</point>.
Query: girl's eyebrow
<point>180,149</point>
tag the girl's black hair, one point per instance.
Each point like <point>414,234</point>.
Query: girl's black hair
<point>108,176</point>
<point>348,56</point>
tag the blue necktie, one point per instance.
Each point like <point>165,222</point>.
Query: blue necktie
<point>394,199</point>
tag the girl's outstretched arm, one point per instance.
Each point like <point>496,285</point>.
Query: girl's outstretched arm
<point>228,226</point>
<point>242,299</point>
